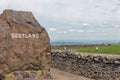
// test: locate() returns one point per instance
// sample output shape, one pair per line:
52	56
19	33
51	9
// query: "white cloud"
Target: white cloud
62	32
81	31
103	31
52	29
90	31
76	31
85	24
71	30
117	26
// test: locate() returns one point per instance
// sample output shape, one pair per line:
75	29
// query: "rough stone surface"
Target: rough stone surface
23	53
27	75
98	67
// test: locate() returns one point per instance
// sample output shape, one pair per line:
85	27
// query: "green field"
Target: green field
113	49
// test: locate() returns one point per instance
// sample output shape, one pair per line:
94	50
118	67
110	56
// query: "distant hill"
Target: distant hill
76	42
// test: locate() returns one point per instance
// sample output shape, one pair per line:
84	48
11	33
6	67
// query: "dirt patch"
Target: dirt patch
61	75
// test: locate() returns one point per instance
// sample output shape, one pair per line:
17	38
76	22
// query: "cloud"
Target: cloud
81	31
64	10
62	32
71	30
85	24
76	30
90	31
72	17
52	29
117	26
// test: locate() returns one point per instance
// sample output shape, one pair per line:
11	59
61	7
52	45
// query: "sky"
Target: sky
73	19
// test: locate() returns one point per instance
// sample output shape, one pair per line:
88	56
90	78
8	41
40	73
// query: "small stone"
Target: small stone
10	75
117	62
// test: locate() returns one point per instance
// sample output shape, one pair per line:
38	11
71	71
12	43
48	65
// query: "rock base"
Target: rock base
27	75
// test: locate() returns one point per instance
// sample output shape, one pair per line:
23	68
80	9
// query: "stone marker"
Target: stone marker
24	44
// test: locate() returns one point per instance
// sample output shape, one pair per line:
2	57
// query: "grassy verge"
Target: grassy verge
113	49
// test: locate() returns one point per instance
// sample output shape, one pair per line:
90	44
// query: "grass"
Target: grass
113	49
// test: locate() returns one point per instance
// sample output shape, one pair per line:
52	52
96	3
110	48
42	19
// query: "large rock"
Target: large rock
24	43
